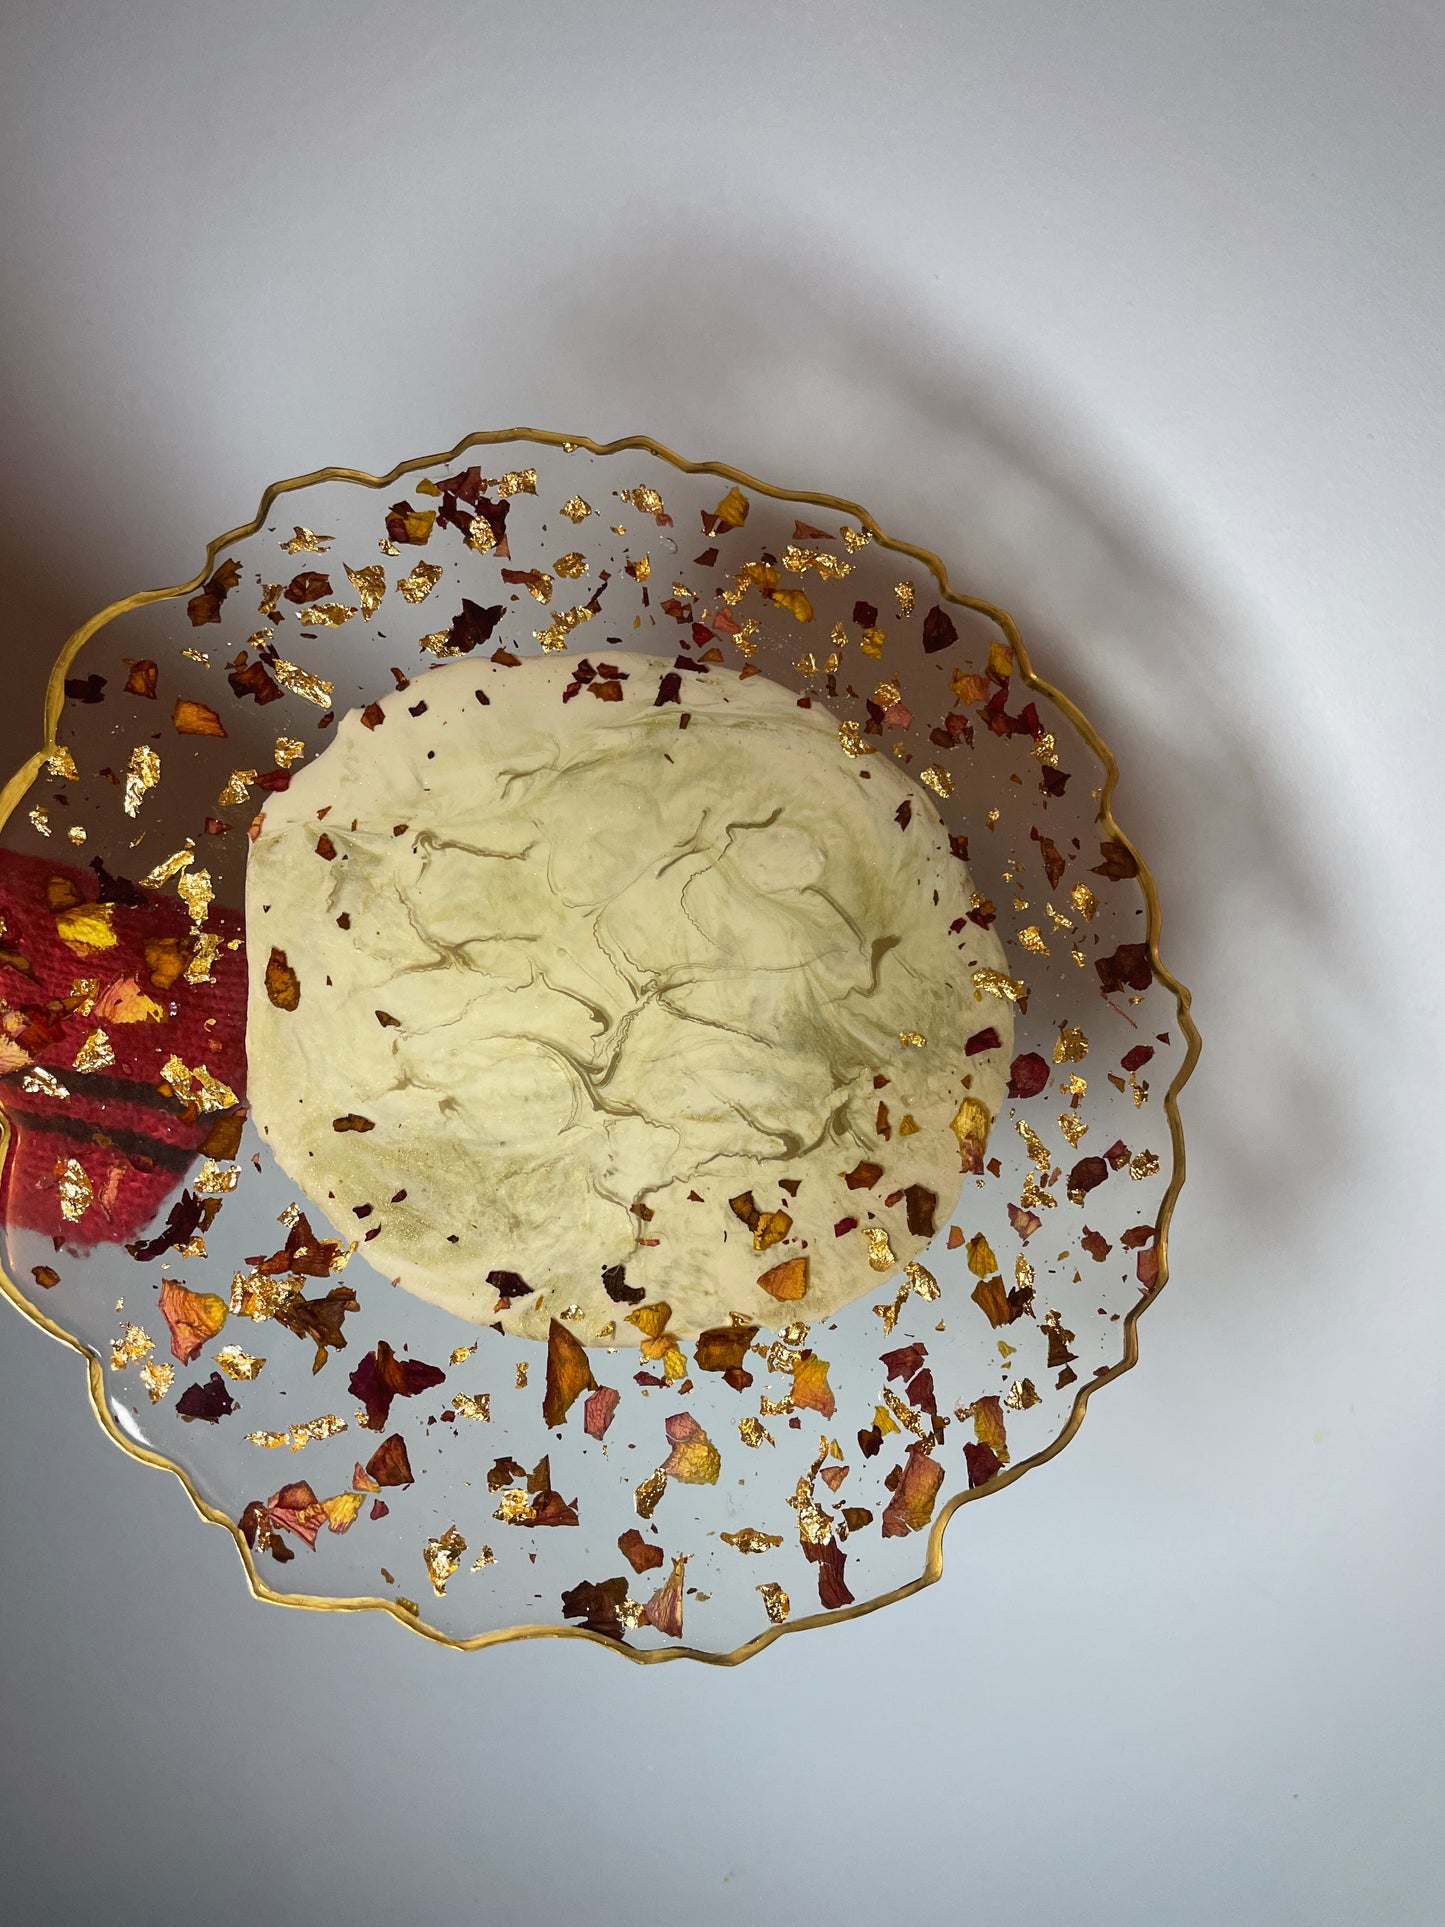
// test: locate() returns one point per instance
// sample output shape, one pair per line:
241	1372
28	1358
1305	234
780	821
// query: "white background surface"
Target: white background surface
1133	312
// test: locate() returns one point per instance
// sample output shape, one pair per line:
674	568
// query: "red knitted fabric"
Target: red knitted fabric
134	1144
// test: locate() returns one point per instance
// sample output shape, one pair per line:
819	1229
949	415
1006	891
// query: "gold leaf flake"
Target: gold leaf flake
1024	1273
197	655
268	1441
831	567
1045	749
75	1191
1072	1126
871	642
157	1378
307	542
270	603
1074	1085
61	763
904	592
439	643
462	1353
515	1509
750	1539
238	1363
851	738
1037	1149
326	615
646	499
1084	901
370	584
971	1127
915	1039
288	750
522	1376
753	1432
992	817
567	620
474	1405
649	1493
880	1251
921	1279
1071	1045
95	1054
1030	938
442	1556
576	510
936	779
87	927
195	890
571	565
855	539
76	834
517	481
641	569
486	1557
208	948
43	1083
417	586
301	682
481	536
997	984
807	665
133	1343
1021	1395
197	1086
775	1600
238	787
1143	1165
142	773
258	1296
169	866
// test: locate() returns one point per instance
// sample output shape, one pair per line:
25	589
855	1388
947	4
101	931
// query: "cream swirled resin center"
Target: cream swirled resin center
617	990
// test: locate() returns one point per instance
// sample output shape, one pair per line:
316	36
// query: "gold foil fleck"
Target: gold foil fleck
807	665
326	615
992	817
301	682
157	1377
473	1405
1072	1126
753	1432
750	1539
649	1493
43	1083
1084	901
417	586
921	1279
197	655
641	569
997	984
539	585
462	1353
515	1508
971	1127
307	542
1021	1395
570	566
133	1343
75	1192
197	1086
902	1412
1143	1165
1045	749
61	763
936	779
1031	938
486	1557
1037	1149
517	481
914	1039
904	592
270	603
831	567
236	1362
887	694
440	643
481	536
288	750
1023	1273
443	1555
1071	1045
522	1376
855	539
169	867
851	737
776	1601
1074	1085
208	948
576	510
555	637
880	1251
142	773
76	834
871	642
370	584
95	1054
196	892
646	499
238	787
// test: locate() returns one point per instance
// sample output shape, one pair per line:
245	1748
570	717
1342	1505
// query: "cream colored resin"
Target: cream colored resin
637	971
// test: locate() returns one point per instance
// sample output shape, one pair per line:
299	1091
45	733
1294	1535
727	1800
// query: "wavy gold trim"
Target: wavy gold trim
20	782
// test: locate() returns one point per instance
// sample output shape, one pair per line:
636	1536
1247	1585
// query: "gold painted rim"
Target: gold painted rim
20	782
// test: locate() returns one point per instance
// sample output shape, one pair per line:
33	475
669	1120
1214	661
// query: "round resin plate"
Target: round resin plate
369	1450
